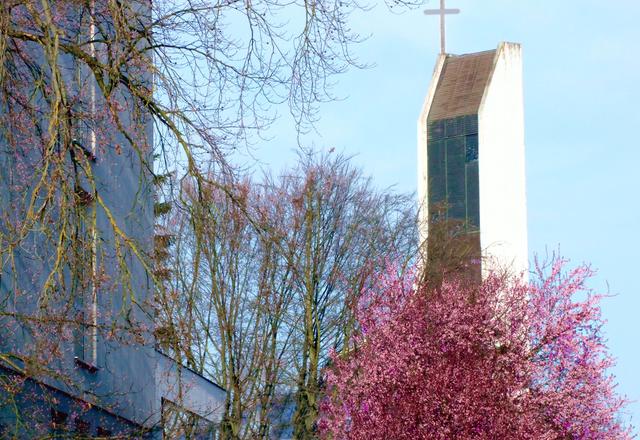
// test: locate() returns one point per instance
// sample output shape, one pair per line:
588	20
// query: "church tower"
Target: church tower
471	159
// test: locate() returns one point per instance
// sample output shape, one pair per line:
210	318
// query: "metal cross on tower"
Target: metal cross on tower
442	12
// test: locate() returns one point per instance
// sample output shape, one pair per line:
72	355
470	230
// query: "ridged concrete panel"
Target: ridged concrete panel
461	85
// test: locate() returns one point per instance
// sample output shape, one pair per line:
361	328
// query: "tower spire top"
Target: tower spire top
442	12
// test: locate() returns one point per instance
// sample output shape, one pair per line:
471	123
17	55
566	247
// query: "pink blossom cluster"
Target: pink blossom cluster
502	359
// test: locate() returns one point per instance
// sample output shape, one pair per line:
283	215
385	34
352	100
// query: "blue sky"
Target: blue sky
582	110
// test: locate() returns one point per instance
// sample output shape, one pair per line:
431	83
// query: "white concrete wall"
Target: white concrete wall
501	155
423	169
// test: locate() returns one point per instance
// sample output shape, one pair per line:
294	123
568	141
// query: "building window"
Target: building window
58	422
103	432
83	267
81	427
471	144
453	171
84	289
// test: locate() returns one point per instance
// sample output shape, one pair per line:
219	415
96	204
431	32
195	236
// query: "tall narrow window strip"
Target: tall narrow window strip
453	170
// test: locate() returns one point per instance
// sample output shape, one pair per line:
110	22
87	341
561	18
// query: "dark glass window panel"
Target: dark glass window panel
58	417
103	432
471	124
453	170
436	172
456	210
454	127
81	426
473	195
471	147
58	421
436	131
456	177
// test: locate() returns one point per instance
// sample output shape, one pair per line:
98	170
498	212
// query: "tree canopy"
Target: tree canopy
499	359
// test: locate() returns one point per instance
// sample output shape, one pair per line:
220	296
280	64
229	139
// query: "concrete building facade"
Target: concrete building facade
70	365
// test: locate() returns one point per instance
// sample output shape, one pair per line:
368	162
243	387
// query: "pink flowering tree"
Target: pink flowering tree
503	359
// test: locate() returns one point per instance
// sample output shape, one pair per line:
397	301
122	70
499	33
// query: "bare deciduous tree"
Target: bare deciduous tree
91	87
265	279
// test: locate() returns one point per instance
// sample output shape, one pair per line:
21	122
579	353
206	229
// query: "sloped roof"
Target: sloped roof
461	85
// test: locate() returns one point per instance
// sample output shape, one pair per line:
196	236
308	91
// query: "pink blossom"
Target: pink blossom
501	360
